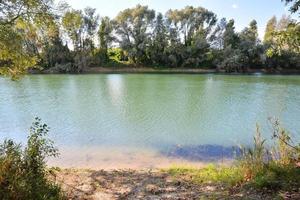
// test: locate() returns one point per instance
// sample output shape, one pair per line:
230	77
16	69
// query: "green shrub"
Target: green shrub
23	172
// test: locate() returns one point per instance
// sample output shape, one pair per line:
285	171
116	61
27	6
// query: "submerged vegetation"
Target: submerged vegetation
57	38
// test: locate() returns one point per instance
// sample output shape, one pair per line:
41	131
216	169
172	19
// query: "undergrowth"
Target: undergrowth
23	172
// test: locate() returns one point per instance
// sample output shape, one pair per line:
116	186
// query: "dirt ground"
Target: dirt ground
148	185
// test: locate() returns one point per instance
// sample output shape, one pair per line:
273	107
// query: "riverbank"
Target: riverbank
151	184
154	70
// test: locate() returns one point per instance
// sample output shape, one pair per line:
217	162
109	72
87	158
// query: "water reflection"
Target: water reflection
115	87
153	112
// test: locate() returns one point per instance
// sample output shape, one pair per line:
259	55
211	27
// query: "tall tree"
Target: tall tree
91	22
217	36
159	41
133	26
190	20
231	39
73	24
105	36
270	29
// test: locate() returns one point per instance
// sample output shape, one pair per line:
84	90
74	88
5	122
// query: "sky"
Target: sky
242	11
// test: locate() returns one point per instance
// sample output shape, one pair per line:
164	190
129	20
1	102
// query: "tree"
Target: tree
159	41
231	39
194	26
287	37
15	57
133	27
295	5
190	20
105	37
73	23
217	36
249	45
284	22
270	29
91	22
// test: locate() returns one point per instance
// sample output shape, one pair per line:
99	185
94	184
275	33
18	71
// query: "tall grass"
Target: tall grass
262	166
23	172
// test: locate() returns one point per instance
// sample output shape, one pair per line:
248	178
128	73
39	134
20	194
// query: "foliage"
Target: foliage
295	5
133	26
23	173
72	22
260	166
57	38
226	175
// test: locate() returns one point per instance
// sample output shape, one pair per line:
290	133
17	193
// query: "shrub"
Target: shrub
23	172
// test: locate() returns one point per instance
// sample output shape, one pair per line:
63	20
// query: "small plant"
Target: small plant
23	172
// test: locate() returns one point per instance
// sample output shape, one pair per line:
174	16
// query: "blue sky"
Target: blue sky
243	11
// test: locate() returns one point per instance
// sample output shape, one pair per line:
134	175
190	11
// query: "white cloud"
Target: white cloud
234	6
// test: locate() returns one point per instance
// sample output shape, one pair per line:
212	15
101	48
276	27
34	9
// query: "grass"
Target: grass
225	175
259	167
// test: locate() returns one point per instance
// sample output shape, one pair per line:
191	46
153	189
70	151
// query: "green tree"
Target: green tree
159	41
15	55
231	39
133	27
190	20
270	29
105	37
193	25
91	22
249	46
73	24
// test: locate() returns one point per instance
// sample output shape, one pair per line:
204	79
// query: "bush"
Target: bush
23	172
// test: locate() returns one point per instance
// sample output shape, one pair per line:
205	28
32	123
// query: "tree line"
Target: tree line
38	33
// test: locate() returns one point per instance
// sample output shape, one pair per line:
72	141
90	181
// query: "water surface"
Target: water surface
141	115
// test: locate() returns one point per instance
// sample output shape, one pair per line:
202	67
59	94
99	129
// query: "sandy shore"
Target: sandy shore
148	184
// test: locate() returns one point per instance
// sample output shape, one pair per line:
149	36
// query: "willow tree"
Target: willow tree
193	25
133	27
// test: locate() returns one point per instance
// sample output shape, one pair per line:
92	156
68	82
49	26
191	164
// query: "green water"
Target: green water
148	111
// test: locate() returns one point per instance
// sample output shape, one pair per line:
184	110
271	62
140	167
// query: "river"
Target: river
121	120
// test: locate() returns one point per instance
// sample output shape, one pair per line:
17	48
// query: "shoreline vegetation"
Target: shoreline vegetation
58	38
263	171
159	70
